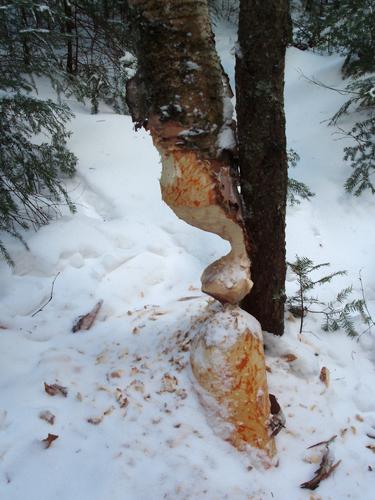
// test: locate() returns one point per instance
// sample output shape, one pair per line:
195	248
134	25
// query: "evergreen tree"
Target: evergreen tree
33	153
348	27
350	30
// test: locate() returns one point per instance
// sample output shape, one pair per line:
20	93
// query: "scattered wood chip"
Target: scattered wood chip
121	398
182	393
325	470
371	447
109	411
343	432
117	374
169	383
135	331
47	416
49	440
95	420
324	376
313	459
55	389
359	418
289	358
101	358
86	321
137	385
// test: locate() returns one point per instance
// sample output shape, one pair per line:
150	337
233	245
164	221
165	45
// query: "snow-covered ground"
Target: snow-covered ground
128	429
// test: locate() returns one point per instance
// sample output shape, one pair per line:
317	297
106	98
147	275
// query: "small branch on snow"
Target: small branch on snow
326	466
327	442
50	298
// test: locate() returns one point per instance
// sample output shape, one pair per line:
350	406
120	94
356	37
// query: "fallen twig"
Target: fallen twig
327	442
325	470
50	298
326	466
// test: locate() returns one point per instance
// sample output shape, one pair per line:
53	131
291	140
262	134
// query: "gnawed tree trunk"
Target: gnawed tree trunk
227	359
181	96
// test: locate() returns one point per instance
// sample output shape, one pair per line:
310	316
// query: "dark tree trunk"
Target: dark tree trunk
25	45
69	31
263	35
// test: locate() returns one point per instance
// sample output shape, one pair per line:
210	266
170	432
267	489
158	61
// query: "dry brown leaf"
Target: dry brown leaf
49	440
359	418
117	374
289	357
85	322
47	416
324	376
55	389
371	447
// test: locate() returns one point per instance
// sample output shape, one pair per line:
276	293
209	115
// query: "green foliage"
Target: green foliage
80	46
224	10
348	27
344	26
362	158
296	190
360	155
338	313
33	156
350	30
308	22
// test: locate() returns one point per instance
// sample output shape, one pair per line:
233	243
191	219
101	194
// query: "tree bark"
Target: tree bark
262	37
69	41
182	97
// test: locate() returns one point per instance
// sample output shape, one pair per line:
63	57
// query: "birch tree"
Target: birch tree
181	95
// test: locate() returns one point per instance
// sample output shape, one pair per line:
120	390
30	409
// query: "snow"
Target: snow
130	372
226	324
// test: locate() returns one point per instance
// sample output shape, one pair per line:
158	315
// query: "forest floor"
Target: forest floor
130	425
